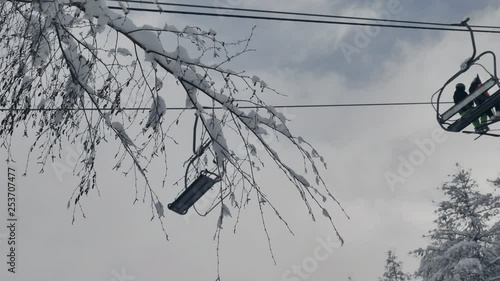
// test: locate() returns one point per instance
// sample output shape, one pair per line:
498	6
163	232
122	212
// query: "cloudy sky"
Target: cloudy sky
362	146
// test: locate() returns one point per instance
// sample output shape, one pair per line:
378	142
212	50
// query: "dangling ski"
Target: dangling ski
481	134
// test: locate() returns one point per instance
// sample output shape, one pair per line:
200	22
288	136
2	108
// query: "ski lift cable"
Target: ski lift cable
293	13
297	14
240	107
304	20
295	19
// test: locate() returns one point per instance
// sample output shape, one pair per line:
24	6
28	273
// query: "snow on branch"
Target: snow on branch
75	55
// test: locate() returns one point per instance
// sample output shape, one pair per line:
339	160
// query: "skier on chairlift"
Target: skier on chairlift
476	83
460	95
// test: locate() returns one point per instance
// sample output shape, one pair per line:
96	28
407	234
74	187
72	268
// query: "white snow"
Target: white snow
123	52
124	8
158	109
219	143
58	116
224	213
107	118
159	209
158	84
41	104
122	134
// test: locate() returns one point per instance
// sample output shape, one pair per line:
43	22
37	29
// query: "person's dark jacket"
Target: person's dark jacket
476	83
459	96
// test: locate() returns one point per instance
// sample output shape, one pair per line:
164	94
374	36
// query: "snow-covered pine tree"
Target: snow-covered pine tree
393	269
465	244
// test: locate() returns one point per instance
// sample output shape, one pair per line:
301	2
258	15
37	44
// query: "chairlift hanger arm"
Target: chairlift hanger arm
473	59
443	118
473	40
468	63
203	147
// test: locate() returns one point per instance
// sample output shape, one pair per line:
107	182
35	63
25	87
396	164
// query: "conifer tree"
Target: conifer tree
393	269
464	246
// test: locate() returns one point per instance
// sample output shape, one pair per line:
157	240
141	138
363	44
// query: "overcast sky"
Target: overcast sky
361	146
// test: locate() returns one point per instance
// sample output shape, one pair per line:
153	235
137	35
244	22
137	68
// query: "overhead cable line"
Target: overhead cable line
302	20
294	13
240	107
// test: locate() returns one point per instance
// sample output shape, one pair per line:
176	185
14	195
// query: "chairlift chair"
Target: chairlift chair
446	120
200	185
194	192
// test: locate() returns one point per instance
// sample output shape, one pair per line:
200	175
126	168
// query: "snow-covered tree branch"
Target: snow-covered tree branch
69	68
